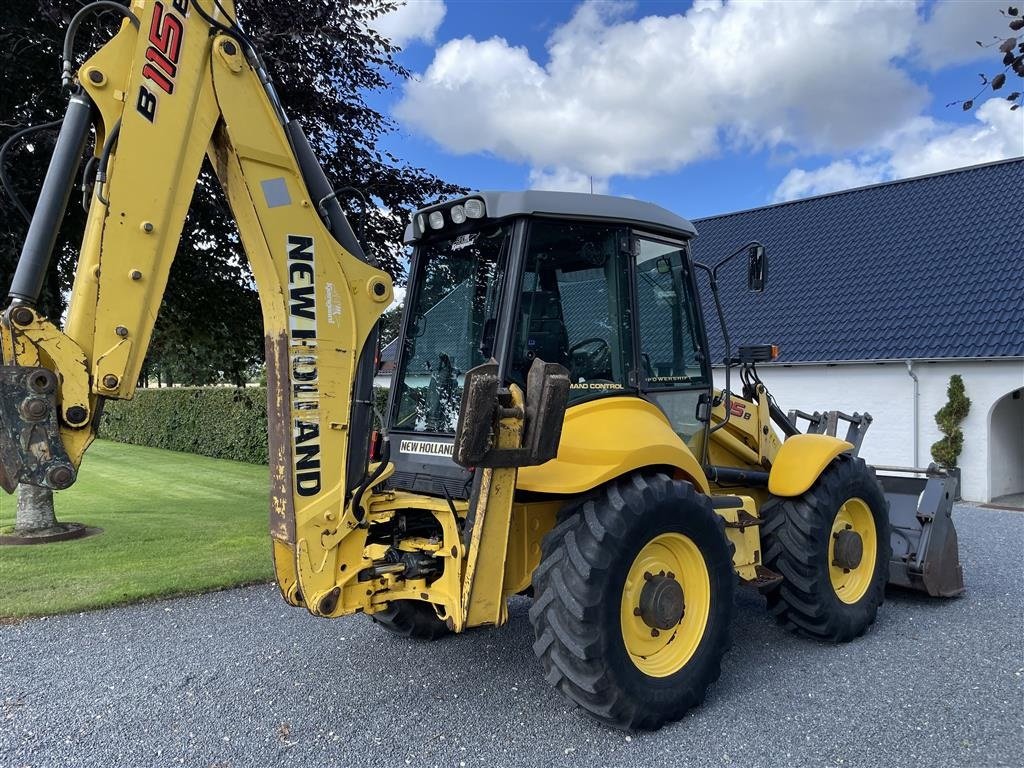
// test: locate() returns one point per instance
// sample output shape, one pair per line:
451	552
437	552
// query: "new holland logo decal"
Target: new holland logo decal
304	375
426	448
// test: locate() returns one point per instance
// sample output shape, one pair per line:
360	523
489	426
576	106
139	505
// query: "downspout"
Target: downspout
917	396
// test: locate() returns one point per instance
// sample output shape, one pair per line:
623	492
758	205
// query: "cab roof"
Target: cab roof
575	205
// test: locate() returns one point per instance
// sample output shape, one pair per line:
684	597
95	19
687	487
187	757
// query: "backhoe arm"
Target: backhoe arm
181	85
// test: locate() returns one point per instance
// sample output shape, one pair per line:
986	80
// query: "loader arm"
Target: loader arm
180	86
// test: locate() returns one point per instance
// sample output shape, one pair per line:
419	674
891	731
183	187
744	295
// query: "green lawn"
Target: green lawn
173	523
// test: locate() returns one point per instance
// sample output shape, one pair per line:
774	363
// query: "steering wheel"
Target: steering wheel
596	358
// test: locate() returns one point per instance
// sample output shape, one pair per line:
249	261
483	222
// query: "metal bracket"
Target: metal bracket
31	450
827	423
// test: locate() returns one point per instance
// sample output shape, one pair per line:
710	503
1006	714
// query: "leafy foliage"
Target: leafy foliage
326	60
390	324
220	422
1012	50
946	450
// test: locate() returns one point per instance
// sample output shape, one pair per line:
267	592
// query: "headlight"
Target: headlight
474	208
421	223
458	214
436	220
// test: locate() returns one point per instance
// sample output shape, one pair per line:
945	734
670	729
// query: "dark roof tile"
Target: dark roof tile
930	267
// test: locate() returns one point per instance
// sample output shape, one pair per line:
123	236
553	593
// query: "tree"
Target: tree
946	450
1012	50
390	324
325	59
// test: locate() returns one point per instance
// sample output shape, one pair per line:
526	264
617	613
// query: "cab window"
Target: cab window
574	307
671	360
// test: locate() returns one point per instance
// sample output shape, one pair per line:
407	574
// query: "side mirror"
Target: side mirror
757	268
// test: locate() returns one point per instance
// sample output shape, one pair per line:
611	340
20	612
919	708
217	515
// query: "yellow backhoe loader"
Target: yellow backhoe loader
553	428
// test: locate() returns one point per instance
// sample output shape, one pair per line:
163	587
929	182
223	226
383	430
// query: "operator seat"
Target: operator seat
546	336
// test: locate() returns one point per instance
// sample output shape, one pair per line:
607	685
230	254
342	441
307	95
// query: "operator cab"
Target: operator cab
601	285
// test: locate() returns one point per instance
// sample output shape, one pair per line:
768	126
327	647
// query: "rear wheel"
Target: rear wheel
633	602
411	618
832	547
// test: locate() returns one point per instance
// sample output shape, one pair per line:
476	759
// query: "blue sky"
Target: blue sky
703	107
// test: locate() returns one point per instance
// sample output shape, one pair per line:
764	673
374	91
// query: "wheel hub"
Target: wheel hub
661	602
849	549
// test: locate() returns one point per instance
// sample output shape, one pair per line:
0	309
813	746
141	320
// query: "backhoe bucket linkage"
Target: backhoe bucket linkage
925	555
31	450
827	423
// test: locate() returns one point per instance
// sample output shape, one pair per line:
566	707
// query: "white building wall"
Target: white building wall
886	391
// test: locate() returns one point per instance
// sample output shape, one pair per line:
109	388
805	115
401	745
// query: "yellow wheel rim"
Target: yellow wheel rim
851	576
666	563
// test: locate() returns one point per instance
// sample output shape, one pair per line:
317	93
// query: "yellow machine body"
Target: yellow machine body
319	305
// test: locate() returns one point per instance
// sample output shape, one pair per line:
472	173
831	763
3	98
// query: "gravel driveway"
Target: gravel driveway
238	679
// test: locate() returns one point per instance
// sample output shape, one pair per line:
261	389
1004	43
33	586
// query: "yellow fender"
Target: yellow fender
801	460
606	438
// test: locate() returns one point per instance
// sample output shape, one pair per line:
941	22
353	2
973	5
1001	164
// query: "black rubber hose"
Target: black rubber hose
75	23
4	179
101	170
357	497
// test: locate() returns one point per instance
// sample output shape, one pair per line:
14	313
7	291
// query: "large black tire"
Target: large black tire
413	619
796	537
577	614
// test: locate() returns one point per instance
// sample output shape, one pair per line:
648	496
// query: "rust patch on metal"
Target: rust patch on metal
282	503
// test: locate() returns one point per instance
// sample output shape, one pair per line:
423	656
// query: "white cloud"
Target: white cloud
842	174
921	146
952	27
646	96
927	146
413	20
562	179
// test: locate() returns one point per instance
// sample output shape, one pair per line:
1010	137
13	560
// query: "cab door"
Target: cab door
672	365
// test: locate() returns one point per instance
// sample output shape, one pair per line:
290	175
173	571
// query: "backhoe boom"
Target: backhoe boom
175	85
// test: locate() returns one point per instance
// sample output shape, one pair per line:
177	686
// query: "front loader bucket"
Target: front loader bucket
925	555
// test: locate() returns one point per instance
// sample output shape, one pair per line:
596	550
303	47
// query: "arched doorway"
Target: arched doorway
1006	450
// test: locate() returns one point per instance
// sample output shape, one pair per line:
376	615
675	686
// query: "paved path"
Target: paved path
238	679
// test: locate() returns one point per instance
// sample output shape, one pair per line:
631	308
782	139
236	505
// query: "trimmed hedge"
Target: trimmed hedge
219	422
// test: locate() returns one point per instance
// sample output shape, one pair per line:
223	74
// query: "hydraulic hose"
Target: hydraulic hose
76	21
53	201
5	179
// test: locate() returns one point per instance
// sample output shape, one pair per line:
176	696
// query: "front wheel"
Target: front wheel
412	619
634	597
832	547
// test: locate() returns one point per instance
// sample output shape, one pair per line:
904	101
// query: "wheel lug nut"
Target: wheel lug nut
671	575
655	633
648	575
636	611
